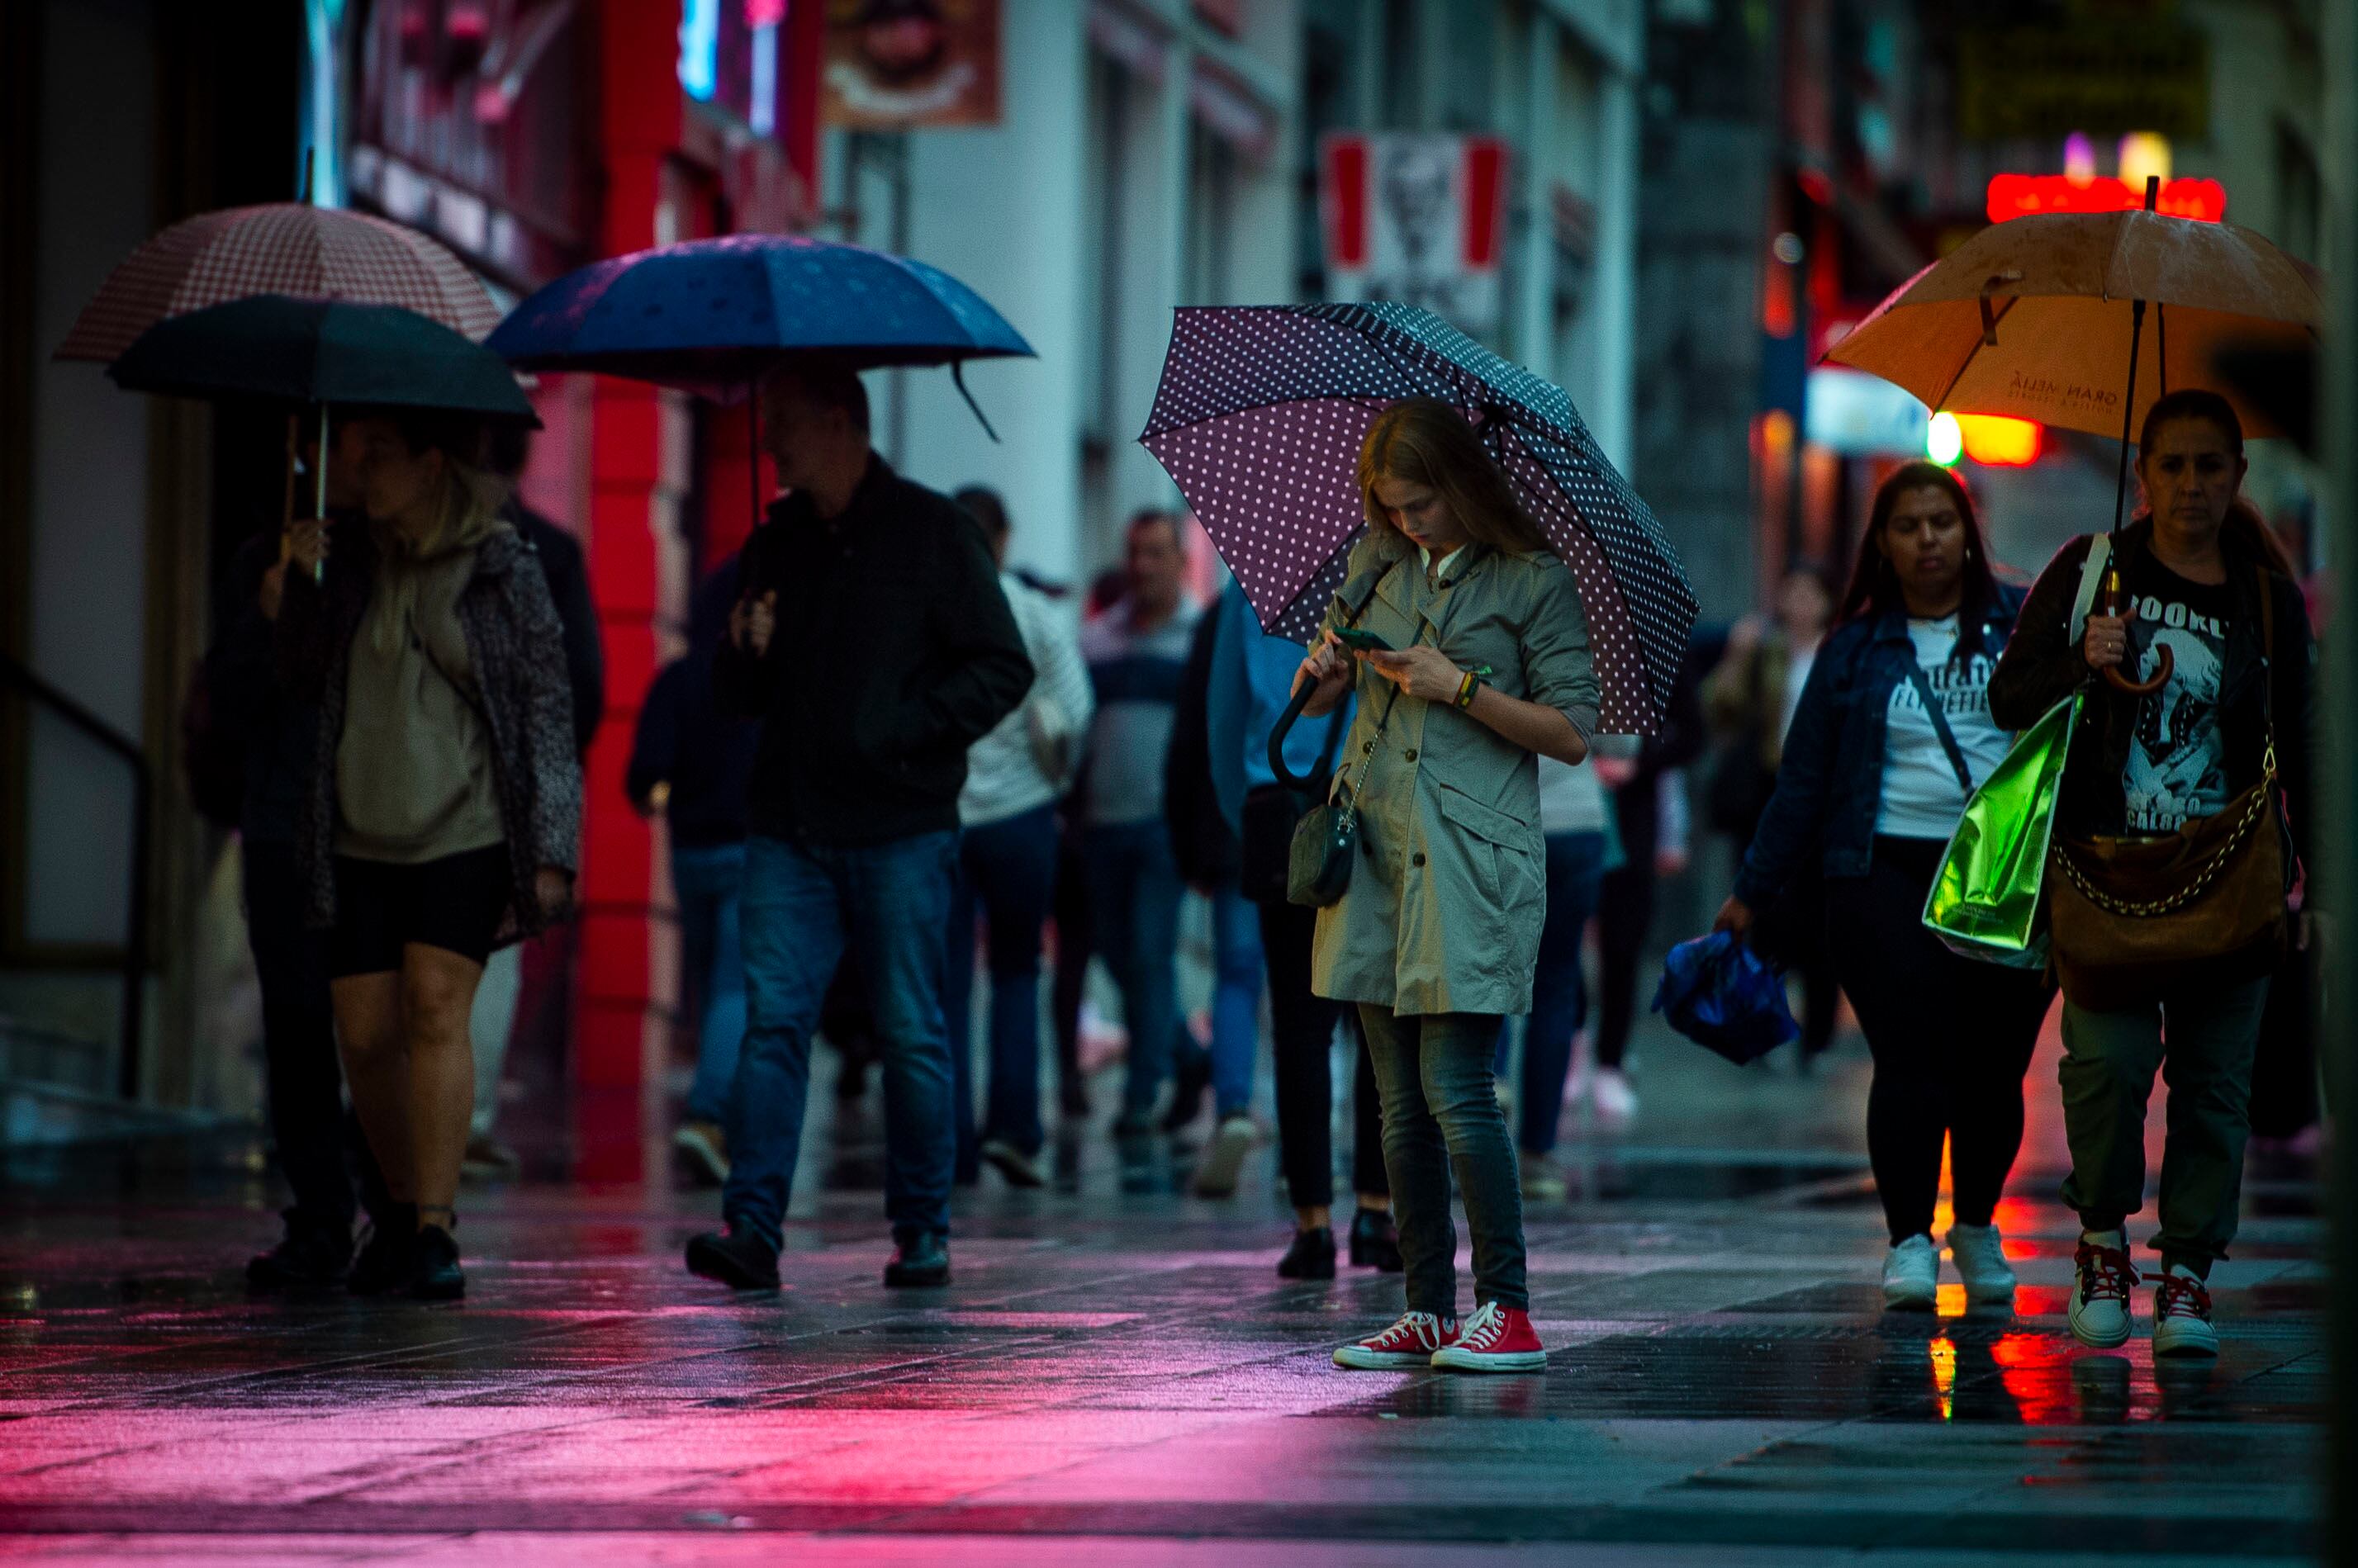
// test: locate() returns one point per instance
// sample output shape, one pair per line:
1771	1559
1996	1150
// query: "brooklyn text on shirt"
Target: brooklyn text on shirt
2153	611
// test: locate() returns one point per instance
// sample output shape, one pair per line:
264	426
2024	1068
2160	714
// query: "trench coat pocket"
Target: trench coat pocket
1502	851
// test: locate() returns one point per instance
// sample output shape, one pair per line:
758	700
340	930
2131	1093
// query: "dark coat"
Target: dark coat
513	642
2044	665
562	564
1830	780
277	733
1204	845
684	741
894	651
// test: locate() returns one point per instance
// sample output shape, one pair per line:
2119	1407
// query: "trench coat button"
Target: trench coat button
1416	860
1412	755
1368	750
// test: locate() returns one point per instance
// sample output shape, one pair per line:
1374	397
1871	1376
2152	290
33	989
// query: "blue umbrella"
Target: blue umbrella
714	315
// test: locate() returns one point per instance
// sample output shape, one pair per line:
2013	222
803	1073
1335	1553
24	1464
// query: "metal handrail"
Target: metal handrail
133	756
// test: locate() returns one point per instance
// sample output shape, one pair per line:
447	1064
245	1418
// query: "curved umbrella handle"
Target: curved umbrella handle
1284	727
2152	683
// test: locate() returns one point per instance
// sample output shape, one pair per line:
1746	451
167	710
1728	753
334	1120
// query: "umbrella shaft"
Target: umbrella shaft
2128	415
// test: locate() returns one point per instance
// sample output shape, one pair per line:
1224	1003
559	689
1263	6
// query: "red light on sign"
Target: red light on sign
2024	194
1996	441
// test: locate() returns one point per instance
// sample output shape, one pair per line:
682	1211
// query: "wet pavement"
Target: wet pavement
1118	1375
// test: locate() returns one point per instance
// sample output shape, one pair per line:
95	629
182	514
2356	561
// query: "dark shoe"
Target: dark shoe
1189	1083
1375	1242
740	1261
922	1260
309	1257
434	1273
384	1262
1312	1256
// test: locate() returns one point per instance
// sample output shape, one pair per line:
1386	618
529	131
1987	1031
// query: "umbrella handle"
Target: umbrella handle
1284	727
2115	676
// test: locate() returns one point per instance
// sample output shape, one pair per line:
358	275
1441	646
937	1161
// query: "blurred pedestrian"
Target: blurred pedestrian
1007	865
1211	860
1436	937
870	638
1652	849
1580	845
444	804
2208	584
268	734
1250	683
1136	653
1751	698
1893	732
1069	912
491	1025
693	765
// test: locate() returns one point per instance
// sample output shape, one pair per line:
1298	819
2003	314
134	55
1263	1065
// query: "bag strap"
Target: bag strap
1940	727
1384	722
1334	726
2092	579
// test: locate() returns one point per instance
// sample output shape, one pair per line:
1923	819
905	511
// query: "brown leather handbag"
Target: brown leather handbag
2132	918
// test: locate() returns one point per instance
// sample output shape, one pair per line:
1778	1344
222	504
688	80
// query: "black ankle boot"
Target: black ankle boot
383	1263
1374	1243
312	1255
433	1272
1312	1256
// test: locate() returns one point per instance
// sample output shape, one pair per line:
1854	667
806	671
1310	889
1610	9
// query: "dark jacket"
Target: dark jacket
1204	845
1830	780
562	564
2044	665
684	740
513	643
277	733
894	651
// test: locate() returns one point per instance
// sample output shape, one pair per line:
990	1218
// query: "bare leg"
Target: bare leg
438	991
369	1038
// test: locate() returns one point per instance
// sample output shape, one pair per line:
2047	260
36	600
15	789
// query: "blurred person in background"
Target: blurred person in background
1576	819
871	639
265	735
693	765
1894	732
1137	651
2205	581
1210	859
1652	848
1069	910
491	1025
1247	688
1751	698
443	811
1007	868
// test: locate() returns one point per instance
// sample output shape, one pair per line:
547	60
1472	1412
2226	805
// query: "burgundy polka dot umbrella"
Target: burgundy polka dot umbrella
1260	419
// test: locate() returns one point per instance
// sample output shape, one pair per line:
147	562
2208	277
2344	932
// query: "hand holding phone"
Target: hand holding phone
1360	642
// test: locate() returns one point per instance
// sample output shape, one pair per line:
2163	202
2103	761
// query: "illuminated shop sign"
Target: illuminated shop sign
2026	195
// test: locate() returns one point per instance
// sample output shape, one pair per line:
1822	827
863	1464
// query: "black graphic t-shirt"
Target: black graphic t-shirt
2178	766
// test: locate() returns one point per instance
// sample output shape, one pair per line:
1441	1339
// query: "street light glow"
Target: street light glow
1944	441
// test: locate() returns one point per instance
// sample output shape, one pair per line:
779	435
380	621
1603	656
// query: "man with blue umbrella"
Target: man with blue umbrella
872	641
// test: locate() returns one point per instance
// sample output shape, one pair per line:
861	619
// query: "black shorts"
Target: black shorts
454	903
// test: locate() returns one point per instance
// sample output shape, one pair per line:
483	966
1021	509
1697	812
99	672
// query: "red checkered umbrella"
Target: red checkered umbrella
312	253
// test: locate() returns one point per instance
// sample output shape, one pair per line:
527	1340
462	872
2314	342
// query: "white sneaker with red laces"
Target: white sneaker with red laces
2181	1315
2099	1311
1494	1339
1406	1346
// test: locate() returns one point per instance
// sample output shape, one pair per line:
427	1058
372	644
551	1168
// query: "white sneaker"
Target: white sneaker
1911	1274
2181	1315
1980	1258
2100	1292
1215	1173
1615	1101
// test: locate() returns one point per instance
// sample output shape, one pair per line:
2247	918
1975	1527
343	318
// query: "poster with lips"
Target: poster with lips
897	65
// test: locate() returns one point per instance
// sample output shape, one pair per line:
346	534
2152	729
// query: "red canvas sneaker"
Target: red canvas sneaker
1494	1339
1406	1346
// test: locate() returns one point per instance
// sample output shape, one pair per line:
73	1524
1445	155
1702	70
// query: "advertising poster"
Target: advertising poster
897	65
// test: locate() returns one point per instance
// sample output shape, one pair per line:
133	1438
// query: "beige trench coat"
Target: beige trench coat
1448	893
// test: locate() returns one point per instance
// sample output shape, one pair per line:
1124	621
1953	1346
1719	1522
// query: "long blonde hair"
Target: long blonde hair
1422	441
471	492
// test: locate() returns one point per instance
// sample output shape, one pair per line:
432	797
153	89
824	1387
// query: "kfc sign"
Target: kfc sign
1419	219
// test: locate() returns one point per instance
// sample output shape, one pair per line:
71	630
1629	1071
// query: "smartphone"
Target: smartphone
1361	641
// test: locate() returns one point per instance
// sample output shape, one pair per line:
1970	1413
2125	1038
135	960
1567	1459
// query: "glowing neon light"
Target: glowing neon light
1997	441
700	48
2027	195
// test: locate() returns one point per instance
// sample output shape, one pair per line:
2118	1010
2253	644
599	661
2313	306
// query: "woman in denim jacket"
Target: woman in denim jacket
1872	783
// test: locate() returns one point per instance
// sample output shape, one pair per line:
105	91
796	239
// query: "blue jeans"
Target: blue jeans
1575	870
1441	1114
1236	999
707	880
1007	872
1134	893
804	904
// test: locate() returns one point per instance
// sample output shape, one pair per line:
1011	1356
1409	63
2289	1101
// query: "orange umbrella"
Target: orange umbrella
2044	318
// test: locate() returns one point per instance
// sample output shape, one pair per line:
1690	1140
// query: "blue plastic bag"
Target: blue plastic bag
1722	995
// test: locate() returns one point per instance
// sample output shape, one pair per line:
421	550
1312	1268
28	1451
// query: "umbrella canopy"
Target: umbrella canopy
712	315
319	253
2035	318
321	352
1260	418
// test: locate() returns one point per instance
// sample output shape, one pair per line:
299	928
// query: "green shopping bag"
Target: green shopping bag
1986	902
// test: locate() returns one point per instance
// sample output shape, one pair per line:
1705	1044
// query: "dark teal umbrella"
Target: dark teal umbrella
319	351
